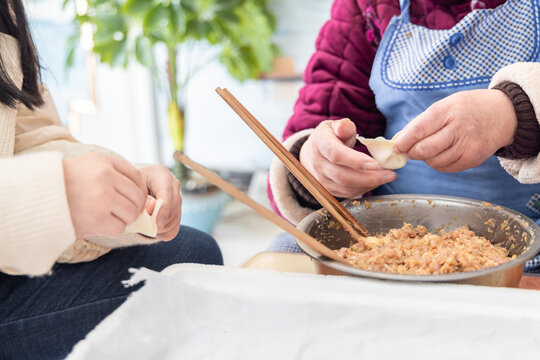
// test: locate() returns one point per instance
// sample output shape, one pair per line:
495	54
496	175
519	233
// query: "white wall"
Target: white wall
126	121
216	136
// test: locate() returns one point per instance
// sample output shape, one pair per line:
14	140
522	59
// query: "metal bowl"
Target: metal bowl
507	228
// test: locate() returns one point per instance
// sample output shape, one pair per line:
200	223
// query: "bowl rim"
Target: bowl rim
534	248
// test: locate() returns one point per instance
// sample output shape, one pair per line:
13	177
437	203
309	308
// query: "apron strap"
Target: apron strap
404	5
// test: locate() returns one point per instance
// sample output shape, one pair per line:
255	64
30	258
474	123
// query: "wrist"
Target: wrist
507	115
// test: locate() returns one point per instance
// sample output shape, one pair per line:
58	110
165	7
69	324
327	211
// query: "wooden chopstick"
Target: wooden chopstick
326	199
312	185
261	210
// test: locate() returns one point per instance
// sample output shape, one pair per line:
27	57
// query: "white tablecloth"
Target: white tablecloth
208	312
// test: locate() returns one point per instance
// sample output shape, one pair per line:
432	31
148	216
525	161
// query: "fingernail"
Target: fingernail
388	177
372	166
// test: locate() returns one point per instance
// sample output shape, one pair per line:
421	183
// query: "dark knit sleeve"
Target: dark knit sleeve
527	137
303	196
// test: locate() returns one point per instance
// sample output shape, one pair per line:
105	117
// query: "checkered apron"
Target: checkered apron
415	67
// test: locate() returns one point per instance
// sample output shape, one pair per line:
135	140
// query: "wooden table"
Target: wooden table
287	262
530	282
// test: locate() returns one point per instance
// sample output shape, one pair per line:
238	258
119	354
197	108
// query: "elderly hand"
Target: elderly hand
162	184
343	171
104	194
461	131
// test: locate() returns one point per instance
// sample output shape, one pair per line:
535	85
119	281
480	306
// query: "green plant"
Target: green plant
239	32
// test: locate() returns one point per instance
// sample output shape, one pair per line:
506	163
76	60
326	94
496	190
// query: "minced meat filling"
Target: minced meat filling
415	251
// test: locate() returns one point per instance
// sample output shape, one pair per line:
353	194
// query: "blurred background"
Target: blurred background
127	91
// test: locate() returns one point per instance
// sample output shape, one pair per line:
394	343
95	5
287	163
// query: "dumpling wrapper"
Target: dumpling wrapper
146	223
382	151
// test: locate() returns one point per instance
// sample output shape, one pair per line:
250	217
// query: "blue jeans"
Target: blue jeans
44	317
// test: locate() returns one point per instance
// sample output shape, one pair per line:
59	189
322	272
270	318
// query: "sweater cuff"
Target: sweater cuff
286	201
124	240
36	222
526	75
303	196
527	137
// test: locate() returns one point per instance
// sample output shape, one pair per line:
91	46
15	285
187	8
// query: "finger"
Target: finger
173	223
432	145
337	153
345	130
348	192
422	126
454	167
169	235
131	173
342	180
124	209
128	189
165	223
351	193
444	160
164	186
169	204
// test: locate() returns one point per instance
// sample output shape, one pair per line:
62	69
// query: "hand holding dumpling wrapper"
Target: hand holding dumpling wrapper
382	150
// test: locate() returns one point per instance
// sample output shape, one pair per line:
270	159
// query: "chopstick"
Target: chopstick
326	199
261	210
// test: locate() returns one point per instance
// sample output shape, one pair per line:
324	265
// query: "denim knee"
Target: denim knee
202	246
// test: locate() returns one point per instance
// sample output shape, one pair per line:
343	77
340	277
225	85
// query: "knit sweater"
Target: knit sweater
521	82
35	225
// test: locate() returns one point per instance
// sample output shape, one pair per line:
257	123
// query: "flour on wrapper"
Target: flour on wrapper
382	150
146	223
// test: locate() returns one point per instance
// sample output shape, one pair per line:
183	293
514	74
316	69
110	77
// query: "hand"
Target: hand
104	194
461	131
163	185
343	171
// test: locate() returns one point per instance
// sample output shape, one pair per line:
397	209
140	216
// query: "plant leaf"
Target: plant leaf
157	17
138	7
113	53
71	44
143	51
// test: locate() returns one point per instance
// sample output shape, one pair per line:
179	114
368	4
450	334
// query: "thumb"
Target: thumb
422	126
345	130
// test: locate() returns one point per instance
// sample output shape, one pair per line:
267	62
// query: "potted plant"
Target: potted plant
239	32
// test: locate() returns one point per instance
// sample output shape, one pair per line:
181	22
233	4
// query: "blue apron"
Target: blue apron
416	66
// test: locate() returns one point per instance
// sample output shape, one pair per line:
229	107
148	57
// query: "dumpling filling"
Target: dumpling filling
415	251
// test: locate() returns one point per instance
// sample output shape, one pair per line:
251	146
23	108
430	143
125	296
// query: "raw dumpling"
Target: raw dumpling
382	151
146	223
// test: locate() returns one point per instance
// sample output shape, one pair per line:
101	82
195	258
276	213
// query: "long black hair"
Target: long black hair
13	22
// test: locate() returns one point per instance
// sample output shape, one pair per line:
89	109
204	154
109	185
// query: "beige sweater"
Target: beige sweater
35	225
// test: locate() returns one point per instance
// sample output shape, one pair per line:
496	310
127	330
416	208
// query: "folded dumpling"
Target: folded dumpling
382	150
146	223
